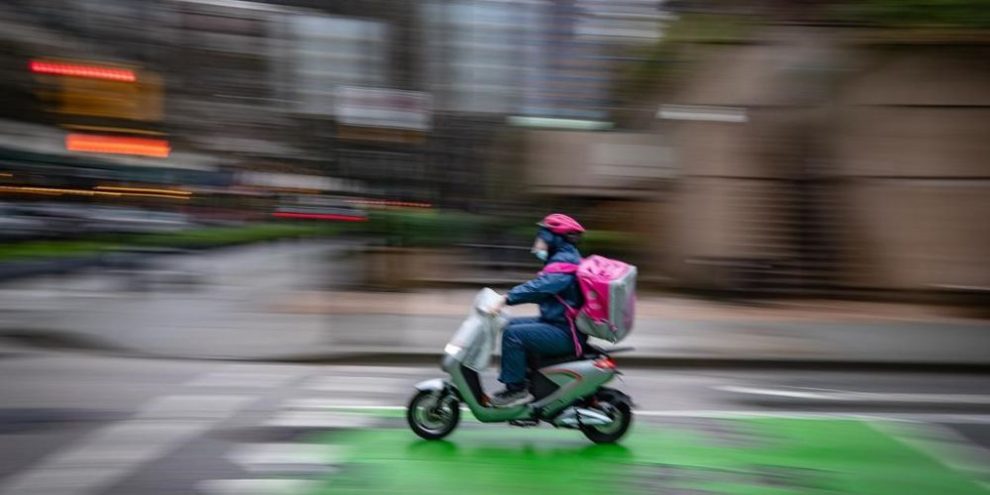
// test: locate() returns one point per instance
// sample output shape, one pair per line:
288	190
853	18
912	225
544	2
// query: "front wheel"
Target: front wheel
433	415
621	415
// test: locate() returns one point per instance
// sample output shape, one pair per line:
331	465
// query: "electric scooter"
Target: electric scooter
568	390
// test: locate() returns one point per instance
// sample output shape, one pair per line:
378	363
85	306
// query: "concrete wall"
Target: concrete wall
732	195
898	139
887	146
912	143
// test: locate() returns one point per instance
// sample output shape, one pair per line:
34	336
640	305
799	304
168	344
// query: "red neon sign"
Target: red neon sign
86	71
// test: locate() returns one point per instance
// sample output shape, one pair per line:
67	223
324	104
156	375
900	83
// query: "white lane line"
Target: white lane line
241	379
741	414
286	457
331	403
256	487
366	384
325	413
214	407
109	454
400	370
847	396
318	419
823	415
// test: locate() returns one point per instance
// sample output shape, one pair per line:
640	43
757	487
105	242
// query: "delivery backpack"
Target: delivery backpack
609	289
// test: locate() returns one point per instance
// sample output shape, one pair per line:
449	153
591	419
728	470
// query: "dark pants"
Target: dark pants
530	335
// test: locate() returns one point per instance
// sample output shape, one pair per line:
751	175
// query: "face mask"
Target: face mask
541	254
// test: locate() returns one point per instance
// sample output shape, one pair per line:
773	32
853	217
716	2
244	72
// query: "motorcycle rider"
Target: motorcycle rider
550	334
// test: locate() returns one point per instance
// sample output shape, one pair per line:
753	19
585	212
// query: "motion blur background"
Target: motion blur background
772	148
803	184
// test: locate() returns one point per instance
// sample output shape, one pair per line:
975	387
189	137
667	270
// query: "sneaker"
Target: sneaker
509	398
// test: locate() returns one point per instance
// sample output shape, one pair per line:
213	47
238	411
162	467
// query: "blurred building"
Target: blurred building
266	86
791	153
762	146
498	68
815	156
43	111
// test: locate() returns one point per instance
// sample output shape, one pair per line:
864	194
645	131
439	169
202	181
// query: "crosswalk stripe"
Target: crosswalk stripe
318	419
256	487
385	369
286	457
110	453
240	379
330	403
366	384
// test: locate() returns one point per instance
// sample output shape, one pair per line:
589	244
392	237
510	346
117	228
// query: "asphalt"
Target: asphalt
118	426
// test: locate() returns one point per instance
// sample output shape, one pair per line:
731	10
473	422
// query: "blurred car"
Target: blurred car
124	220
15	224
59	219
316	208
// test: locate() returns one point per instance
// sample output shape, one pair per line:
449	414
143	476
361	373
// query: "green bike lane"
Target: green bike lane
687	456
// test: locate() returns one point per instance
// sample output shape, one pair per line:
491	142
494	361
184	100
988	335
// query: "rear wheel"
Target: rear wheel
621	415
433	415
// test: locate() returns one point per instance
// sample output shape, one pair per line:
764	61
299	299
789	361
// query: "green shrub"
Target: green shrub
917	13
51	249
195	238
425	228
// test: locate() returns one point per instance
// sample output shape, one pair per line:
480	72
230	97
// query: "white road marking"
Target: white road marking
256	487
740	414
241	379
286	457
847	396
823	415
331	403
943	445
356	406
399	370
194	406
109	454
366	384
318	419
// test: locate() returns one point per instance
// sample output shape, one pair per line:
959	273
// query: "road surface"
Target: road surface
73	424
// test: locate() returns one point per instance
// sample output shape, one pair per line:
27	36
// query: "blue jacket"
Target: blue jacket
543	289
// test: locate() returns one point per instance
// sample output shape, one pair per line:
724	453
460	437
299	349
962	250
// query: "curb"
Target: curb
668	362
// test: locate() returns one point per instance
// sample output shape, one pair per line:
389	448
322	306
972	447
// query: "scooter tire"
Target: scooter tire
623	417
424	431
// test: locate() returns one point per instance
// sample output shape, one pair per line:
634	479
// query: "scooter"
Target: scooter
568	390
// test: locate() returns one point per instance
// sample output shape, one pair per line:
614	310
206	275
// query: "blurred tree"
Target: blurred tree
917	13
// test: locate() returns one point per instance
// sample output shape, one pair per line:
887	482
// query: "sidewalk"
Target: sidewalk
272	303
680	330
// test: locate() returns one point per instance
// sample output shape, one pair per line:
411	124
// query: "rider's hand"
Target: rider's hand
496	307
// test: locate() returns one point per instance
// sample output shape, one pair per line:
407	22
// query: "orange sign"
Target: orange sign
141	101
91	143
85	90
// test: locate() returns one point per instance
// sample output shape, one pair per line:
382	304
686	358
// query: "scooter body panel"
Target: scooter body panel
576	380
468	386
432	385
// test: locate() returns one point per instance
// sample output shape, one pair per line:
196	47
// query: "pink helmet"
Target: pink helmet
561	224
